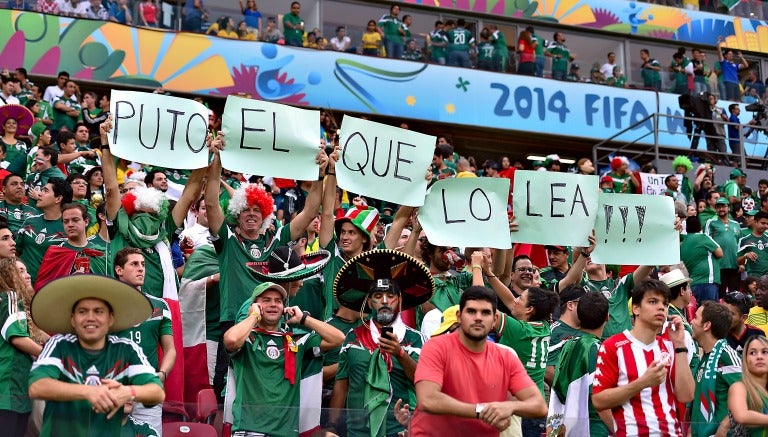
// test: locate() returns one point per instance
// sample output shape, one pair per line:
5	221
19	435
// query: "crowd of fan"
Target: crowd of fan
724	247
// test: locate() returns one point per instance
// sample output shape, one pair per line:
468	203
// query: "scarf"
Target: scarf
58	262
289	352
377	393
704	395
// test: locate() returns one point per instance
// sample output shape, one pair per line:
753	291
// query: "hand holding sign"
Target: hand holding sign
467	212
270	139
554	208
160	130
374	155
628	234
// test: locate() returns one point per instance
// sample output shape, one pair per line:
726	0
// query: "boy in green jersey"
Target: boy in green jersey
753	249
84	374
149	334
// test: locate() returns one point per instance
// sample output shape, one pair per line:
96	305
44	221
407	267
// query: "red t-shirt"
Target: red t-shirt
488	376
528	54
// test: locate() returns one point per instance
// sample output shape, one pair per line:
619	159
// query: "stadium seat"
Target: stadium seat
174	412
206	406
188	429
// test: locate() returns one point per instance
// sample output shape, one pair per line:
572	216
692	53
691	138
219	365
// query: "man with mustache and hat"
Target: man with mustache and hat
85	374
377	362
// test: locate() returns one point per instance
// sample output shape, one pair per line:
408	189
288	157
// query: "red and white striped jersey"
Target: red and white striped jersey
622	359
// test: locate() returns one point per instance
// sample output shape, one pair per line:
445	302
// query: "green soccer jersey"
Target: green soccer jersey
723	365
681	79
40	179
485	51
330	271
726	235
236	283
500	44
560	56
14	151
573	377
310	297
135	428
35	236
14	364
649	75
561	334
60	118
147	333
753	244
459	40
391	26
16	214
531	342
618	294
331	357
354	361
439	41
266	401
540	46
731	189
63	359
696	253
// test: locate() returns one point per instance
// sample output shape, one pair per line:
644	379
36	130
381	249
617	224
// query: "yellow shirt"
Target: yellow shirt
758	317
371	40
228	34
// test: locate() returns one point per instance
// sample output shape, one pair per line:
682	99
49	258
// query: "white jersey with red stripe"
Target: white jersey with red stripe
622	359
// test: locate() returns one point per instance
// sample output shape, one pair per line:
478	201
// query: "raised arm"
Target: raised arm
189	195
329	199
212	205
398	224
312	204
111	186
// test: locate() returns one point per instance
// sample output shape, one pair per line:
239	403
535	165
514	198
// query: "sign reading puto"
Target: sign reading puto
170	130
268	138
628	233
554	208
384	162
467	212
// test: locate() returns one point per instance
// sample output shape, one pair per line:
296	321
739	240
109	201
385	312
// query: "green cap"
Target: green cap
736	173
722	201
266	286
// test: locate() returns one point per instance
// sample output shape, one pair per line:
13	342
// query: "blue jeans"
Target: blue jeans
394	48
559	74
533	427
193	23
704	292
700	87
539	65
458	59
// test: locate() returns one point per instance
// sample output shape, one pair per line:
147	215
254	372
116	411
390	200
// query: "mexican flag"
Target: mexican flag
569	401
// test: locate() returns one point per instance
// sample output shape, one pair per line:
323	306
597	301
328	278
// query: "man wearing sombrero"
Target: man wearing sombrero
85	374
268	362
15	120
378	359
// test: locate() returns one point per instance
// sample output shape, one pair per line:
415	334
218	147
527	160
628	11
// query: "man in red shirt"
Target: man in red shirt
449	403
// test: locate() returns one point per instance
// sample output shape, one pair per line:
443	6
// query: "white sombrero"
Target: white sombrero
52	305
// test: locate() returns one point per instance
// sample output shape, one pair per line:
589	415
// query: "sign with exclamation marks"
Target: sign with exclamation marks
636	229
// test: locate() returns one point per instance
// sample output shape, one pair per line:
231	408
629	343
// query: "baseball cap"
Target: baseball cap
575	66
722	201
561	248
736	172
606	178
